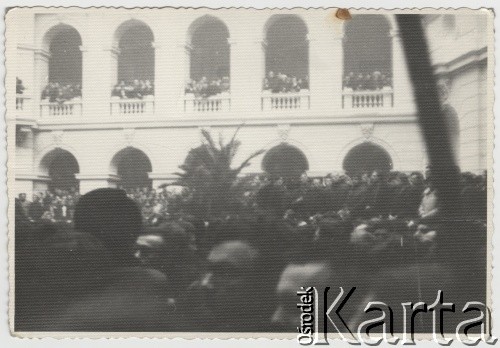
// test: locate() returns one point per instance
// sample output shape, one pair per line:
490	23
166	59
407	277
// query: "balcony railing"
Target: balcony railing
383	98
21	101
212	104
68	108
130	107
286	101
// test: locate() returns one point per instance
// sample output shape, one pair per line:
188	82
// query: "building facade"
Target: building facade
93	135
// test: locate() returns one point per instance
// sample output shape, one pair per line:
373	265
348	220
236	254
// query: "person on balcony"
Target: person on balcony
147	87
19	86
349	80
304	83
225	84
273	83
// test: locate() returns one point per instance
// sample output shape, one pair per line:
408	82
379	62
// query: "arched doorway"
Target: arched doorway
367	53
285	161
62	167
136	59
132	166
287	49
210	53
366	158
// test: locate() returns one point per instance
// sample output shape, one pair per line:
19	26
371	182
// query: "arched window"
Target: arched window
209	67
366	158
367	53
132	166
65	64
287	54
61	166
136	60
285	161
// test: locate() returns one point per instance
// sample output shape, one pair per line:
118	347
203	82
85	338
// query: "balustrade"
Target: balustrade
130	107
212	104
383	98
67	108
285	101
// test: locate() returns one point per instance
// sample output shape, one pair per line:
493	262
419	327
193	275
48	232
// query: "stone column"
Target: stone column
326	64
247	74
42	77
171	60
99	76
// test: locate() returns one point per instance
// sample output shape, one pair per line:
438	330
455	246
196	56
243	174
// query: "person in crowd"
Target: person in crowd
19	86
55	92
22	199
282	83
408	199
366	81
233	273
429	206
314	265
170	248
36	209
378	200
112	222
204	88
136	89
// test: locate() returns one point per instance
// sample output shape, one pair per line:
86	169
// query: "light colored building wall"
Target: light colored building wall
325	132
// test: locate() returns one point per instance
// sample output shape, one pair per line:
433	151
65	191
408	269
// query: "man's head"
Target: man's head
22	197
230	276
416	179
296	275
112	217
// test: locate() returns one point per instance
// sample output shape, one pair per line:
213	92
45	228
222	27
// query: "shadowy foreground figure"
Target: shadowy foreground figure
89	279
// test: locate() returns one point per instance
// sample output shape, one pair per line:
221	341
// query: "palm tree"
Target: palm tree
209	177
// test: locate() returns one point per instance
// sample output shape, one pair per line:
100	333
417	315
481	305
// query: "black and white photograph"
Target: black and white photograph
314	174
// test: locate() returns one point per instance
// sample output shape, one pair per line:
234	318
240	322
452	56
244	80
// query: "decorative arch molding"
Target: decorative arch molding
285	160
269	22
372	140
199	22
391	20
112	158
41	168
56	27
126	25
291	142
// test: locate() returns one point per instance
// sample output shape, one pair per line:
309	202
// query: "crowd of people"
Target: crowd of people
127	262
203	88
282	83
51	206
56	92
136	89
367	82
19	86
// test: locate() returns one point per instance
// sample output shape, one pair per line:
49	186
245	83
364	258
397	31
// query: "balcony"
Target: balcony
214	104
286	101
21	102
61	109
132	107
379	99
